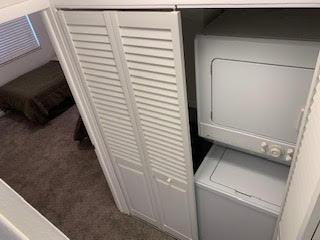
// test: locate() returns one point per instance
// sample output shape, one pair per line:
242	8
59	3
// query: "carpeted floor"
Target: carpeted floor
66	184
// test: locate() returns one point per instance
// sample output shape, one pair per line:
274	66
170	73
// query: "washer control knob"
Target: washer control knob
275	151
288	158
264	147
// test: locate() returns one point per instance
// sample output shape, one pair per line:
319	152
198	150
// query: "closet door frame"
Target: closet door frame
54	30
167	4
48	9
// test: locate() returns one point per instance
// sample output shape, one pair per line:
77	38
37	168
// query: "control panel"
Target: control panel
277	151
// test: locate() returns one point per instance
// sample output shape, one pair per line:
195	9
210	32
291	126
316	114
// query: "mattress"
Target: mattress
36	92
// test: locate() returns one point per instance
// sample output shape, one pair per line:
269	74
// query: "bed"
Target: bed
36	93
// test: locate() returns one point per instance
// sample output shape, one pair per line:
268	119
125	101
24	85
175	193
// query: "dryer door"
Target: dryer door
259	98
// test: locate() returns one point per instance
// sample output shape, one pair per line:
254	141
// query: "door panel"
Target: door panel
304	182
136	188
95	54
173	200
150	46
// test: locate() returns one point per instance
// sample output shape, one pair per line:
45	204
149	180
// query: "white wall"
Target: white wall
32	60
193	22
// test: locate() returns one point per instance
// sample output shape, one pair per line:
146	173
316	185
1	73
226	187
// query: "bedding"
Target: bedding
36	92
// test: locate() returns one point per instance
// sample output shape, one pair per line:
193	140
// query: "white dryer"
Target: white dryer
253	79
238	195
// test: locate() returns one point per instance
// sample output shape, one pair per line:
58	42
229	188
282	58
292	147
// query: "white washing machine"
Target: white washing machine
238	195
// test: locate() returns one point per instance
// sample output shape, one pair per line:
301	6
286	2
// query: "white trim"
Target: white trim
10	10
171	4
251	5
23	220
72	76
312	217
10	229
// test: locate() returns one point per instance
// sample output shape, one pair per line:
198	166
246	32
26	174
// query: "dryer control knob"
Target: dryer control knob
290	151
264	146
288	158
275	151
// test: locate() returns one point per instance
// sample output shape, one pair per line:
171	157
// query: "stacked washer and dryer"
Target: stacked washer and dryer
253	72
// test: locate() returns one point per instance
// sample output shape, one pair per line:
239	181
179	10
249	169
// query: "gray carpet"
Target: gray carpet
63	182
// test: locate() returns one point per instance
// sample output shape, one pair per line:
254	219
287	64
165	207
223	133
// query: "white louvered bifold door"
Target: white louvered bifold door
151	48
93	45
304	185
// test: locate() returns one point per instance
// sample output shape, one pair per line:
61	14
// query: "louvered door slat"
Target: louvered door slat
155	90
161	104
88	30
155	84
82	37
99	80
145	33
156	115
101	67
164	138
151	67
168	170
95	51
99	95
166	78
151	43
151	51
154	111
92	45
149	59
108	72
95	60
166	145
